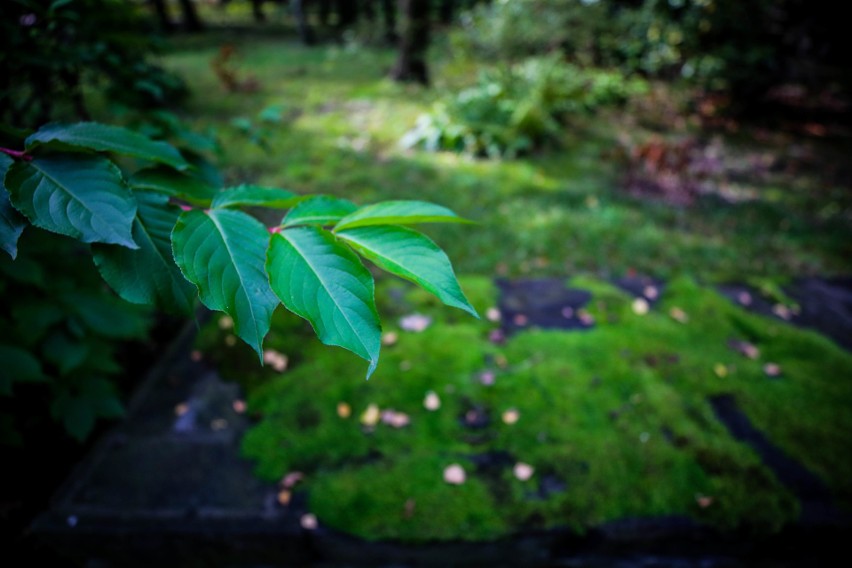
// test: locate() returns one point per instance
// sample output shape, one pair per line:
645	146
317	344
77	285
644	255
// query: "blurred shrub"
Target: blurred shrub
741	47
49	49
513	109
513	29
60	337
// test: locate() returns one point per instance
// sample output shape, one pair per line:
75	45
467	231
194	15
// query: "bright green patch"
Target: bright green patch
614	420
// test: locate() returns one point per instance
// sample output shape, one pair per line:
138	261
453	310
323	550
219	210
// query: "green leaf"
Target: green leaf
175	184
398	213
411	255
256	195
94	397
105	315
323	281
18	366
12	223
65	352
80	196
320	210
5	163
34	317
149	274
77	414
107	138
223	252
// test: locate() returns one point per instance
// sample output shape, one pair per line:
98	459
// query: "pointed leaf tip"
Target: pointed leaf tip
324	282
410	255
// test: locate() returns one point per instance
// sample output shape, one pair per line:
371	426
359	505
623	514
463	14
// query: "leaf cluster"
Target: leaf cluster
161	234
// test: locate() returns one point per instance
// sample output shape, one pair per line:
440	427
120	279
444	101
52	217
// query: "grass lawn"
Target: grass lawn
614	421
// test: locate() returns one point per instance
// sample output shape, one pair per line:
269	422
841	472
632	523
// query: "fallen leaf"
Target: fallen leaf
415	322
276	360
400	420
720	370
703	501
640	306
782	311
493	314
371	416
745	348
511	416
523	471
772	369
501	361
678	315
309	521
344	410
390	338
291	479
487	378
432	401
454	474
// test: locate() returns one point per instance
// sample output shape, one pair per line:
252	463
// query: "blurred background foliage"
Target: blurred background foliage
698	138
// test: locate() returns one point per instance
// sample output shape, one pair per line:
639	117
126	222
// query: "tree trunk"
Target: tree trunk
414	41
162	15
445	11
389	14
304	27
191	22
257	11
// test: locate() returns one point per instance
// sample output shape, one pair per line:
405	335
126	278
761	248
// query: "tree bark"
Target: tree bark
413	43
191	21
304	27
257	11
162	15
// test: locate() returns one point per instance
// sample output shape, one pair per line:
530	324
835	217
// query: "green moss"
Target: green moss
406	499
615	420
617	417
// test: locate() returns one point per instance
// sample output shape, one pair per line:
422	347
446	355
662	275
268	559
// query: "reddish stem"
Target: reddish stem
16	154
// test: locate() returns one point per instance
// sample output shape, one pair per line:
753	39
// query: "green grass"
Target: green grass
618	415
559	211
